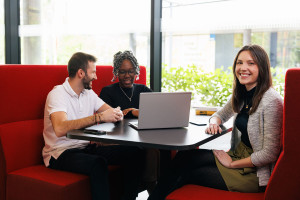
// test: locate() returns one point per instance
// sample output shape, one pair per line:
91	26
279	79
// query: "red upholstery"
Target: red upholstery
38	181
284	182
24	89
195	192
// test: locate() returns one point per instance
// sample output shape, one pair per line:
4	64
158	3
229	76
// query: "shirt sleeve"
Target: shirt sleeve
98	102
272	125
146	89
56	102
224	113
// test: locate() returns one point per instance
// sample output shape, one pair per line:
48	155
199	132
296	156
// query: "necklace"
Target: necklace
247	104
126	94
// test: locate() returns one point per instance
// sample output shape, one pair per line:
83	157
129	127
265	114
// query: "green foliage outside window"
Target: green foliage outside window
211	89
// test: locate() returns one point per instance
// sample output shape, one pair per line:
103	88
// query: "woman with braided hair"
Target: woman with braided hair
125	93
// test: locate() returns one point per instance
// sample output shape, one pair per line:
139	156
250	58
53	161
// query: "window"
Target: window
207	34
52	30
2	33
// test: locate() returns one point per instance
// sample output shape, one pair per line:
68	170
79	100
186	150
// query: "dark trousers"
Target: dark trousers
189	167
94	160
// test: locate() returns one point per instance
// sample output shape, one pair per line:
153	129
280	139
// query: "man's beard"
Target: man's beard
86	83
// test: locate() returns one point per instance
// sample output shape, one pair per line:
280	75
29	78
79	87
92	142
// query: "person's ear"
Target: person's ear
80	73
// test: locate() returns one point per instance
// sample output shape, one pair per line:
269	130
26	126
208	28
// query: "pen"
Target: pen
197	124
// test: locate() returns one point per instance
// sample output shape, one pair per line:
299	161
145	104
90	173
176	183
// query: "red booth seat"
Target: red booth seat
23	175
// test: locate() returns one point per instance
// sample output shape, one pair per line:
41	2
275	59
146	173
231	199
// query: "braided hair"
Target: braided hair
118	60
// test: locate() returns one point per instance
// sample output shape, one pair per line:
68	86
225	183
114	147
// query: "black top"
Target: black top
114	96
242	118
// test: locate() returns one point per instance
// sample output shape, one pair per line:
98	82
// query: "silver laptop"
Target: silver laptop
163	110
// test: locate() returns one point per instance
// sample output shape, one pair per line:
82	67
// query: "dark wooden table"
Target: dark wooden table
172	139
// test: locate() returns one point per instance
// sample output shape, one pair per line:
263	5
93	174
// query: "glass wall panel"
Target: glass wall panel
205	35
2	33
52	30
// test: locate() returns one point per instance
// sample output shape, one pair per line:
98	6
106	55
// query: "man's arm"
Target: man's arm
109	114
103	108
62	125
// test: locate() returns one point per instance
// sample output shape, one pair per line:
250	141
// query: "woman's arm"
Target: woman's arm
226	160
271	132
219	117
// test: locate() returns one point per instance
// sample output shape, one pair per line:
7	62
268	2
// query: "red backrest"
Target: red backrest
285	180
24	89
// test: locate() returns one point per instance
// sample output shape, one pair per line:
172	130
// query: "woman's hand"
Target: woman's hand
223	158
134	111
213	128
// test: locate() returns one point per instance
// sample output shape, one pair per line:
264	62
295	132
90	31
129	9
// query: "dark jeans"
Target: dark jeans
94	160
189	167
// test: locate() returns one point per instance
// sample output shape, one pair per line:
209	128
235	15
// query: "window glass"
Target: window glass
205	36
2	33
52	30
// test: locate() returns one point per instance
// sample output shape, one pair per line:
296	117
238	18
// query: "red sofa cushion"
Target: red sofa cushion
42	183
195	192
22	144
39	182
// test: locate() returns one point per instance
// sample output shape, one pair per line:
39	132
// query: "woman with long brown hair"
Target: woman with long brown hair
257	110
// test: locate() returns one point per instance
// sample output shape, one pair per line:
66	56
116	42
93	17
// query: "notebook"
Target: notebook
163	110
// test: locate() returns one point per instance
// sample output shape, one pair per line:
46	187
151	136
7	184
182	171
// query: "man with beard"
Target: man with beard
73	105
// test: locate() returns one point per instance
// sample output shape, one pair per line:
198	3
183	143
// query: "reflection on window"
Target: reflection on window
207	34
2	33
52	30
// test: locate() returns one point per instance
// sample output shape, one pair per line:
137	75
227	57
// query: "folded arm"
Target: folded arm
62	125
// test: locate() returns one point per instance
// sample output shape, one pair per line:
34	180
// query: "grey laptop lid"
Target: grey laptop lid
164	110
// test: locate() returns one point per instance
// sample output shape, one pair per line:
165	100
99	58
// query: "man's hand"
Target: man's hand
111	115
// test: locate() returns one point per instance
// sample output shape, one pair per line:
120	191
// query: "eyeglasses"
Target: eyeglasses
129	72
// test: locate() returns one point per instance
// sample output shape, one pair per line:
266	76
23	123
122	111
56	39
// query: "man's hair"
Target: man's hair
78	61
264	79
120	57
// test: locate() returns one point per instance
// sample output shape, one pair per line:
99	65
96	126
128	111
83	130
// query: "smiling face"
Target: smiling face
126	74
246	70
90	75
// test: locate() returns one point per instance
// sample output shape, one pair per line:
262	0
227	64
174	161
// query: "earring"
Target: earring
113	79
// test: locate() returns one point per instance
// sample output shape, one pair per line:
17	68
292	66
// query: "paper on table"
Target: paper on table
108	127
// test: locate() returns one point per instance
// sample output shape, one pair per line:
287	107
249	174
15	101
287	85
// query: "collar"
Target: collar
69	89
251	92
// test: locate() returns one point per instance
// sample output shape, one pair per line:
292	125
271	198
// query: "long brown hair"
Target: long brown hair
264	80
